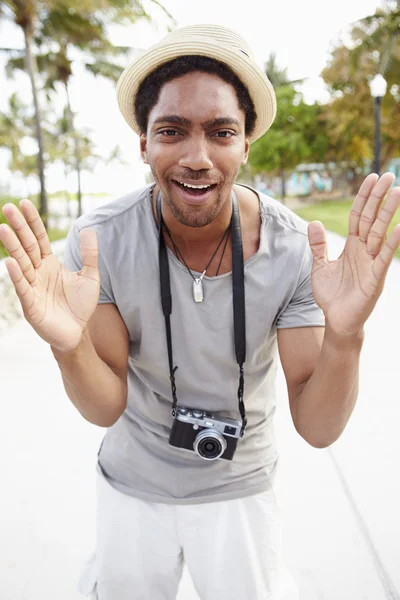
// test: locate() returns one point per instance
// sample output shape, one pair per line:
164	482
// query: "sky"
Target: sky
300	33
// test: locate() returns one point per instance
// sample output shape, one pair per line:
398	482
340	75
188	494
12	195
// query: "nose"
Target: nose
196	156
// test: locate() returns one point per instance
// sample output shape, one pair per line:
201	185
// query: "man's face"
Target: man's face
195	136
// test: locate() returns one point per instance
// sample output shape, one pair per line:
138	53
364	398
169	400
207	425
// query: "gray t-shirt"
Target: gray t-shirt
135	455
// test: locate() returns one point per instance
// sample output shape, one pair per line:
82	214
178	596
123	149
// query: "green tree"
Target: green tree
374	48
297	134
283	146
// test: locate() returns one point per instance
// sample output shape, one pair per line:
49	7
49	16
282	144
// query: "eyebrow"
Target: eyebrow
177	120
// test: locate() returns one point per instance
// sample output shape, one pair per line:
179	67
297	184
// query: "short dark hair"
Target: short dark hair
149	89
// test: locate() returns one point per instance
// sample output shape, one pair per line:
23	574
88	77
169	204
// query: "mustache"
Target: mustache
195	175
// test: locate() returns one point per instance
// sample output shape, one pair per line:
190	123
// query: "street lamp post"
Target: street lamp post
377	87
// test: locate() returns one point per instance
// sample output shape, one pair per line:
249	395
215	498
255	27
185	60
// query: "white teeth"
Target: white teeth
195	187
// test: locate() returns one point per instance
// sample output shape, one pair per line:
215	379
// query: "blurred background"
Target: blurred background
63	143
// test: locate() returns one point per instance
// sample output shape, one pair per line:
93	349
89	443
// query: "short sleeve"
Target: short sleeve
73	262
302	310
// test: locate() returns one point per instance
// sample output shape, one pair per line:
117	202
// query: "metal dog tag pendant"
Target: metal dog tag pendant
198	290
198	295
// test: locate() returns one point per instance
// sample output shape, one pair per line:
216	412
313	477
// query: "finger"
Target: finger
374	201
36	224
89	253
15	249
24	291
385	256
317	241
378	231
360	201
24	233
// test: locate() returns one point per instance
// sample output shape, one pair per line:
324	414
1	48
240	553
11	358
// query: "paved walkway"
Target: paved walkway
340	505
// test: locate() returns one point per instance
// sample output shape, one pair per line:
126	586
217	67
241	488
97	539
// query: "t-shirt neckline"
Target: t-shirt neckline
178	263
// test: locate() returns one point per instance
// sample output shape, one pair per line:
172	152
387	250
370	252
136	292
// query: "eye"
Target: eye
223	135
168	132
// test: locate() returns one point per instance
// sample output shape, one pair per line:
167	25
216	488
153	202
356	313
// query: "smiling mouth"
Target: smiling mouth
195	189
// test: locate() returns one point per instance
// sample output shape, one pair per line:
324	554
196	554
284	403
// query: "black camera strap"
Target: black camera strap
238	296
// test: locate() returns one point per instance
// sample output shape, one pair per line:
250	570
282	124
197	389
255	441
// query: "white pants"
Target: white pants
232	549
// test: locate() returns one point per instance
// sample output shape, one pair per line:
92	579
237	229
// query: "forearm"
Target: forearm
92	386
325	404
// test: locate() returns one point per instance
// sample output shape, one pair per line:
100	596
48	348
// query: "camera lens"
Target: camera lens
209	445
209	449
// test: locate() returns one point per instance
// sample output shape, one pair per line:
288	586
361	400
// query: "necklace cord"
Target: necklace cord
223	251
179	254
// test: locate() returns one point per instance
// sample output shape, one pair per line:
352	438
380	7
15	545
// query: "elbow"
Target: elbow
106	418
111	414
320	444
317	441
318	437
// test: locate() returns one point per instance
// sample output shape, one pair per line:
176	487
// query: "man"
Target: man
185	389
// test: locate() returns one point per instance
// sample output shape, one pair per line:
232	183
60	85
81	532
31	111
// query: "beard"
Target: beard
193	217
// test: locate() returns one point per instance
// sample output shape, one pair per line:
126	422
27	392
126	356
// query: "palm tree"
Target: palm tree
78	23
82	25
86	30
89	35
24	14
62	149
278	76
15	125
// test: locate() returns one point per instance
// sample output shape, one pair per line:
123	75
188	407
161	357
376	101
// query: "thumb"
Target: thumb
89	253
317	241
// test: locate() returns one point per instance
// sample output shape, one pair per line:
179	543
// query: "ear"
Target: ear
246	152
143	148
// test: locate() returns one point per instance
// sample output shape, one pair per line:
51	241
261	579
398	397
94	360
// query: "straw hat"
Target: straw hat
215	42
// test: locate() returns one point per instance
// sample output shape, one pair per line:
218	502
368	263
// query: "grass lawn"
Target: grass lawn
54	234
334	216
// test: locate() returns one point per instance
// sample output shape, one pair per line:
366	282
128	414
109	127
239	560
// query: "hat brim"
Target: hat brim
257	83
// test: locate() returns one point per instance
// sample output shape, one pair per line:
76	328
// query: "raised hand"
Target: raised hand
348	288
56	302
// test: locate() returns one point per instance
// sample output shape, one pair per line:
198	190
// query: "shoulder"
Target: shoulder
282	216
277	216
117	212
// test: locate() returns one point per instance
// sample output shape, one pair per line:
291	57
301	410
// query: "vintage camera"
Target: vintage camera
210	437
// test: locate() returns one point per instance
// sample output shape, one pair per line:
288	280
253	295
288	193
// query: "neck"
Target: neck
194	236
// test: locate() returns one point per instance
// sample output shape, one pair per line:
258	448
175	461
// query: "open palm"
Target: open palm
348	288
56	302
